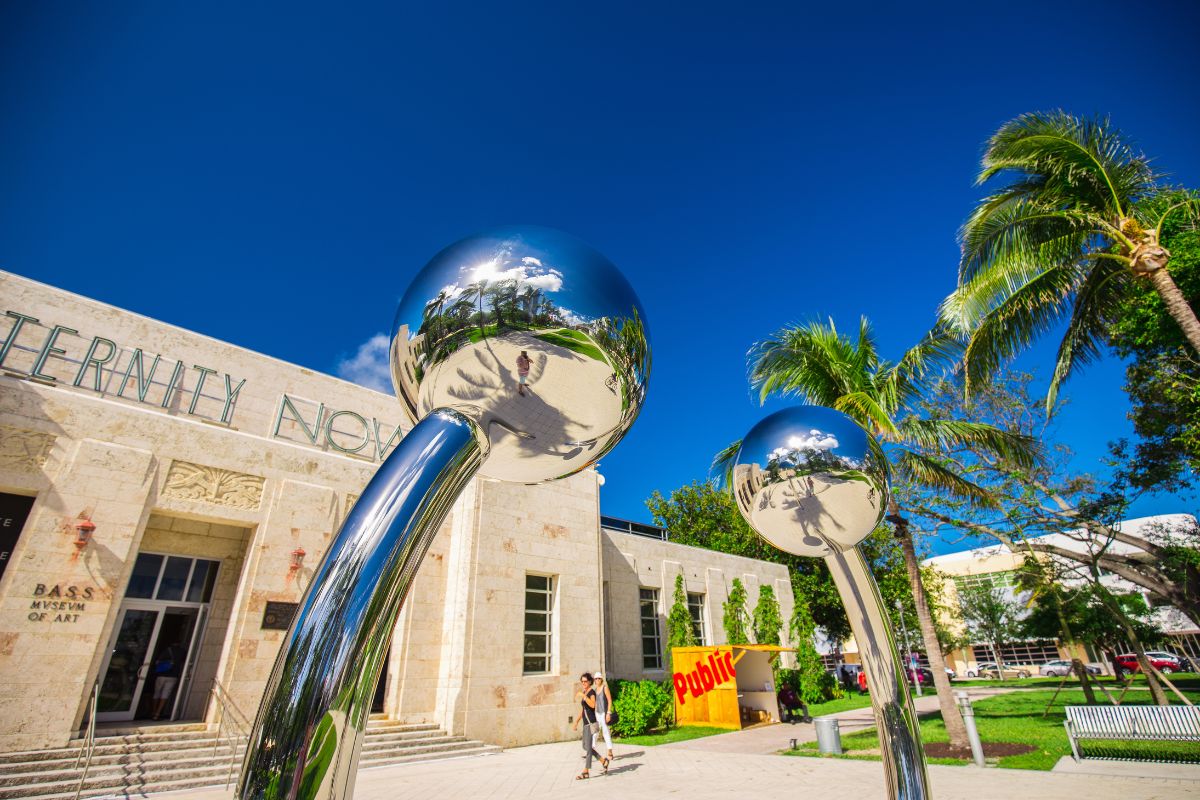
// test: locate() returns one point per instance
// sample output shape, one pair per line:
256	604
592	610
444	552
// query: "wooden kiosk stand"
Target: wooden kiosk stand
728	686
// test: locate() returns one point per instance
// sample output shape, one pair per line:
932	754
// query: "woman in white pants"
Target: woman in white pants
603	709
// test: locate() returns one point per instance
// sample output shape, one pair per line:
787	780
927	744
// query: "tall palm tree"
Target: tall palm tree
1063	239
824	367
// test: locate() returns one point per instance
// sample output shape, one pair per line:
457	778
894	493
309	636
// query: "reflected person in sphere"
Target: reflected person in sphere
587	717
523	364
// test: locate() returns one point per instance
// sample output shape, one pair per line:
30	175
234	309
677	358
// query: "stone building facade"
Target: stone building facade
166	497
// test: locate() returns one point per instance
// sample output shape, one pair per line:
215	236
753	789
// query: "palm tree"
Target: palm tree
821	366
1077	223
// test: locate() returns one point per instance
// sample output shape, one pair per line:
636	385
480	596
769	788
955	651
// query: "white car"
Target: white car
1061	667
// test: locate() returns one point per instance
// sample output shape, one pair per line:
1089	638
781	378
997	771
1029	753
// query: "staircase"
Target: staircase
133	761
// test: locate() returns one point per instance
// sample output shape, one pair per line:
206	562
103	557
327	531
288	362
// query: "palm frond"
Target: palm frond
1097	303
942	434
1087	162
722	464
940	347
867	412
812	361
1018	320
931	474
1012	237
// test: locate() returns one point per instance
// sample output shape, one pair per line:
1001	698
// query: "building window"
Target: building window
539	616
696	609
651	639
1037	652
1005	580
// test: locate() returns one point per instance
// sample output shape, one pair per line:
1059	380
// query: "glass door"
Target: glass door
128	663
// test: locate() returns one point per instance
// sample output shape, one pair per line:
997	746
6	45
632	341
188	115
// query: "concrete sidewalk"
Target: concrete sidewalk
651	773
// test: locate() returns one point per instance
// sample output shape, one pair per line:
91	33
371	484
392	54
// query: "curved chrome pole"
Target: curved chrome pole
305	742
895	718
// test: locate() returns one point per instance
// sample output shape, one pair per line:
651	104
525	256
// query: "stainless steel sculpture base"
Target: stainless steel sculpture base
305	742
895	717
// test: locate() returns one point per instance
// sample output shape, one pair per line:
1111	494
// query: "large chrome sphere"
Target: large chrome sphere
810	481
533	335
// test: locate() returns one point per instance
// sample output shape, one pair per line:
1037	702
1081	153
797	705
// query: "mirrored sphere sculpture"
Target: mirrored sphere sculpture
519	354
812	482
532	300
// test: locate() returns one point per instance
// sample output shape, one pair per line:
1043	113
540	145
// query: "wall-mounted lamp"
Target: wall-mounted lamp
297	559
83	532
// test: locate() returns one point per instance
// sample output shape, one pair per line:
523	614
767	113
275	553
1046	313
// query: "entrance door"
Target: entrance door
128	662
156	640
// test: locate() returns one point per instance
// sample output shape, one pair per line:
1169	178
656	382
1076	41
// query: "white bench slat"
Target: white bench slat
1135	723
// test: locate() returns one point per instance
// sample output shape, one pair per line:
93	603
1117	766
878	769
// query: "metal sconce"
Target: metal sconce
297	559
83	532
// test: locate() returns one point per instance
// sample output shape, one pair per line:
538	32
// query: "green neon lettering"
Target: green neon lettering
48	349
91	360
286	402
21	319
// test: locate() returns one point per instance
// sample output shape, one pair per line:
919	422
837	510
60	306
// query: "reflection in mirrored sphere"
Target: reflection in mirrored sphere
810	481
534	336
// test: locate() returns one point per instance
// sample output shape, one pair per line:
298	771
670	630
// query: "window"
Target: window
696	609
539	615
651	639
1038	652
176	578
1005	580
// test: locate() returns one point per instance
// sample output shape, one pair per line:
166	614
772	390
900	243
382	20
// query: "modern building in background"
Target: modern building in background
165	499
997	565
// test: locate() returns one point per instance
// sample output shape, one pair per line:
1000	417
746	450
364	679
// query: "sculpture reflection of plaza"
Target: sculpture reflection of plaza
790	474
482	302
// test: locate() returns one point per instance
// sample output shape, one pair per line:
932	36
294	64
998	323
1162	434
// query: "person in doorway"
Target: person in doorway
587	718
167	670
604	704
862	681
523	364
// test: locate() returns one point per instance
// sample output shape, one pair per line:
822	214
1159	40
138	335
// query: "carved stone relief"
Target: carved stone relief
24	450
221	487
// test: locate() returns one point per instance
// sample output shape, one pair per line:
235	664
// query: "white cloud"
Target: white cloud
369	365
531	260
798	446
815	440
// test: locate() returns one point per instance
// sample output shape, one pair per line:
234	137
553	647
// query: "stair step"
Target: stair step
168	758
481	750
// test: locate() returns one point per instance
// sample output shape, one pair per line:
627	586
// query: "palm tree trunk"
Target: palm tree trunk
1177	306
956	730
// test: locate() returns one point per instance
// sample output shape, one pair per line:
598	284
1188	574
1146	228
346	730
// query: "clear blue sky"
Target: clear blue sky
274	175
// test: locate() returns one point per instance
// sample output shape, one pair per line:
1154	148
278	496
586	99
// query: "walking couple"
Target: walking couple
595	702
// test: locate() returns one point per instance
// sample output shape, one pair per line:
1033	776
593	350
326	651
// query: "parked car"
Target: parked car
925	675
988	669
1061	667
1163	661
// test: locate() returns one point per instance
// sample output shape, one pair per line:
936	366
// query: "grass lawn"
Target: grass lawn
1184	680
573	341
1017	717
673	735
847	703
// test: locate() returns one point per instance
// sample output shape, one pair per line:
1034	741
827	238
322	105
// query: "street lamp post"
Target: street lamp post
907	649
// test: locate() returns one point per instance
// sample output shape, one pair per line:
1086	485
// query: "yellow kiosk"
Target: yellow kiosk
729	686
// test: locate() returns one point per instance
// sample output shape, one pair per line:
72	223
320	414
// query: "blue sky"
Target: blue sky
274	175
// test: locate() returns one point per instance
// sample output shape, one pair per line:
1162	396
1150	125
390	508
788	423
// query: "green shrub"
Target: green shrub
642	706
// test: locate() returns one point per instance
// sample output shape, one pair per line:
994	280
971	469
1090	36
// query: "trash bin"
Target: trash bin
829	736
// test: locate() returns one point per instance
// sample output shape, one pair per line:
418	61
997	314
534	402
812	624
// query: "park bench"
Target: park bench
1132	723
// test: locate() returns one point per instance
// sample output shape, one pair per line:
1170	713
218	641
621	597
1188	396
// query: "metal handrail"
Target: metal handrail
239	724
89	740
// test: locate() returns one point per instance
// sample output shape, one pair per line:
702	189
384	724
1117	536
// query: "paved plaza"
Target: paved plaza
745	763
548	770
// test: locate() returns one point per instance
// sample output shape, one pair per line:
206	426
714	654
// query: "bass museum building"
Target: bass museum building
165	498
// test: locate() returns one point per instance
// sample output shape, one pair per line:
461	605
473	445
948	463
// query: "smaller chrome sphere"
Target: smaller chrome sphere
535	337
810	481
